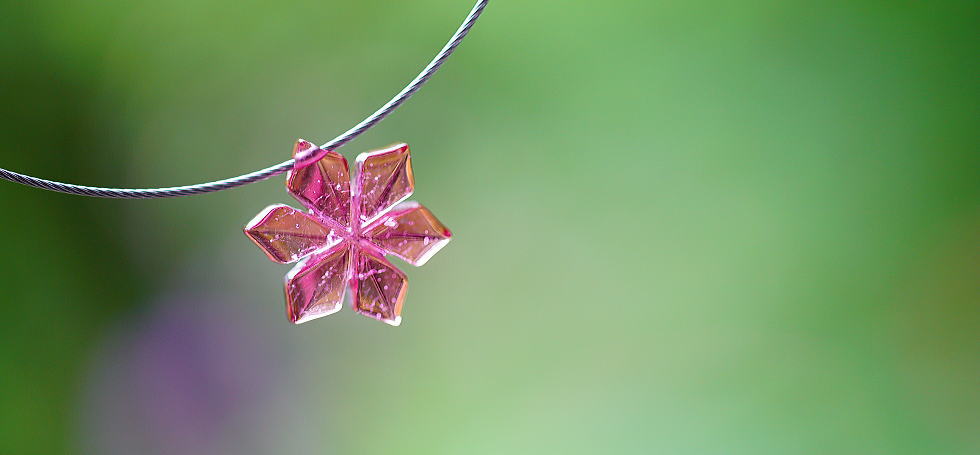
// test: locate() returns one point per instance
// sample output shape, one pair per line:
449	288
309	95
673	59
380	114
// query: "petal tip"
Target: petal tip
304	317
397	148
251	230
306	153
394	322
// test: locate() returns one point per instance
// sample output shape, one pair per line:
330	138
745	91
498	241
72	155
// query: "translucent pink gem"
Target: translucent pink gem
410	232
315	287
384	178
323	187
378	288
344	237
286	234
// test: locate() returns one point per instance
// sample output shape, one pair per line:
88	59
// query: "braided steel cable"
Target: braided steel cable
262	174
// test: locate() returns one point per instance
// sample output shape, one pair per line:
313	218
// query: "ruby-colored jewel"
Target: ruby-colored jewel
342	241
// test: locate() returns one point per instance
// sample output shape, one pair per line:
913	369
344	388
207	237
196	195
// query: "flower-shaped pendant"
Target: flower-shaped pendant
342	242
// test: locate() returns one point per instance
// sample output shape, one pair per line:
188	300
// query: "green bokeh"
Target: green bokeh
681	227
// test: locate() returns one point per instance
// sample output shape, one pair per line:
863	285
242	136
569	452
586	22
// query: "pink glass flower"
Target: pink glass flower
343	240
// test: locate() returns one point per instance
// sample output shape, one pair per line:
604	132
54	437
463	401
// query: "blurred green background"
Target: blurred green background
681	227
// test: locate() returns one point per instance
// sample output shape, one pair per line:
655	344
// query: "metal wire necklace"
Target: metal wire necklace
341	242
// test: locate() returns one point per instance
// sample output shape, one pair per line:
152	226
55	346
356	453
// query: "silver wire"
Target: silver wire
262	174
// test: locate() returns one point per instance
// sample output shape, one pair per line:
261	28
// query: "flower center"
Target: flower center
352	234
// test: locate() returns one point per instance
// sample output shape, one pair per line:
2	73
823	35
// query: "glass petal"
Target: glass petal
315	287
323	187
384	178
411	232
286	234
378	287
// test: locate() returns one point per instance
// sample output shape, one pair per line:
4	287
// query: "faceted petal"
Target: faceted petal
323	187
411	232
315	287
378	287
384	178
286	234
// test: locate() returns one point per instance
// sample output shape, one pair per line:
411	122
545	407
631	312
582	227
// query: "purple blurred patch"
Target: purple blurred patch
187	377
